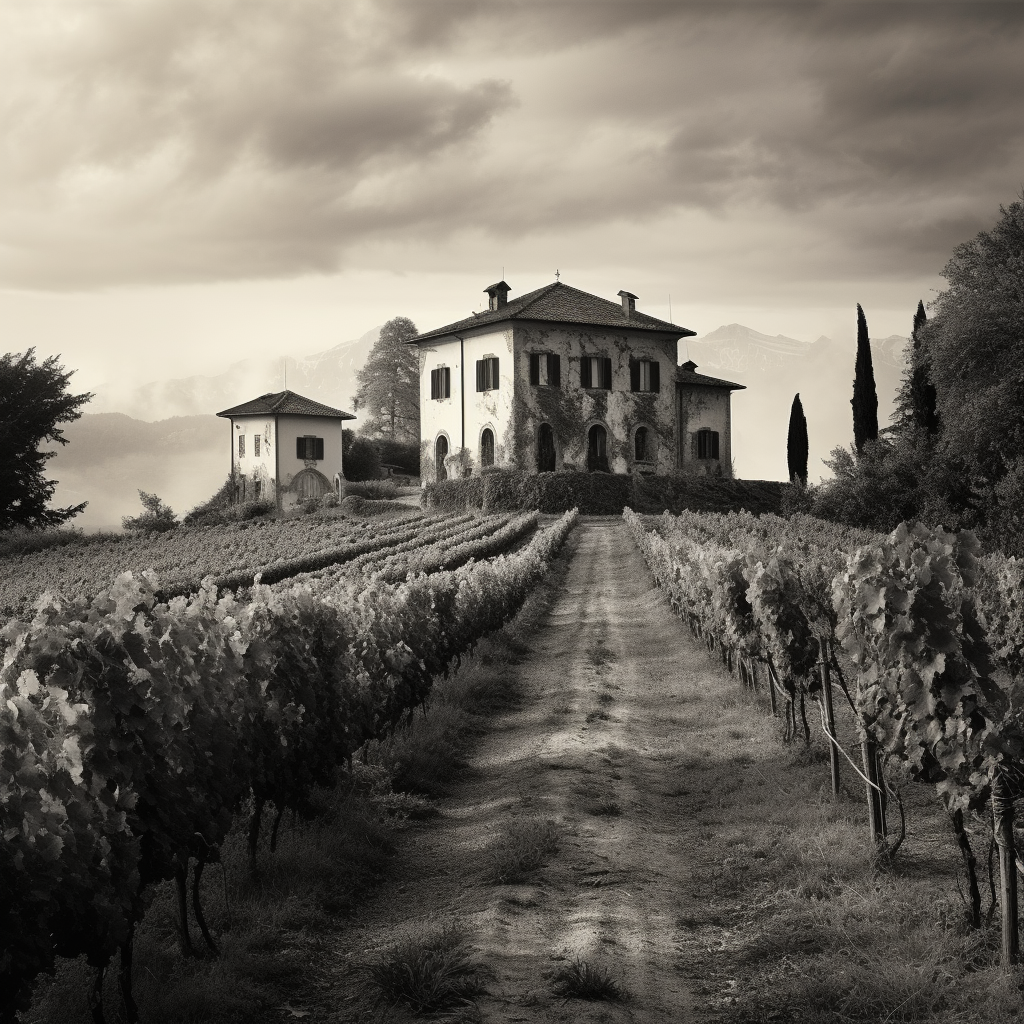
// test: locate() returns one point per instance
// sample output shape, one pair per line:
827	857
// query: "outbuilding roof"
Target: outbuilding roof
561	303
686	374
285	403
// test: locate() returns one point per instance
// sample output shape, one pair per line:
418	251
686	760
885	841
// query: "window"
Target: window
487	447
256	446
241	446
440	453
596	372
545	449
257	488
309	448
487	374
640	445
644	375
707	443
597	449
441	382
546	369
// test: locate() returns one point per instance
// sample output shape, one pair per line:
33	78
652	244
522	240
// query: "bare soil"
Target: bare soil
595	746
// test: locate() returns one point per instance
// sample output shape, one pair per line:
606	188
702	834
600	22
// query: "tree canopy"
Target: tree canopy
797	447
34	399
389	385
865	397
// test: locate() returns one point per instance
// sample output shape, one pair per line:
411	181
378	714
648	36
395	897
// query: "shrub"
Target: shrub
158	517
359	457
455	495
580	979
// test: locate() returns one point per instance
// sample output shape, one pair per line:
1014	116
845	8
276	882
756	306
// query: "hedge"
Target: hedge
602	493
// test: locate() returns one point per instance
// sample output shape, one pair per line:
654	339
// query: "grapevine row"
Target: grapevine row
134	731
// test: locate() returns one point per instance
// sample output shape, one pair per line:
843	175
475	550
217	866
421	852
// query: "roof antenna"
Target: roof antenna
670	307
285	362
557	278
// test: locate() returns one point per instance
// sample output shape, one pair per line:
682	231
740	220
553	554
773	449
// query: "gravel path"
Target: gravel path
597	745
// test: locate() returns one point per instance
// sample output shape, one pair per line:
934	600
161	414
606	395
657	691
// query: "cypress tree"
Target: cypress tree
796	445
865	398
922	390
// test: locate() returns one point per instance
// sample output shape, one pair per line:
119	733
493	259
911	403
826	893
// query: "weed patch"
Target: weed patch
524	846
581	979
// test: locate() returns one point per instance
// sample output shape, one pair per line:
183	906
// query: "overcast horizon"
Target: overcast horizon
186	184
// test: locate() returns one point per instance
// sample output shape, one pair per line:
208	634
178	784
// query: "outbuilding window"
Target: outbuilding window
707	443
441	382
256	446
309	448
546	369
487	374
241	446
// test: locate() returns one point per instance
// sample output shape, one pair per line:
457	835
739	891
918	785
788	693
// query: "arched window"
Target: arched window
641	449
440	453
487	447
597	449
545	449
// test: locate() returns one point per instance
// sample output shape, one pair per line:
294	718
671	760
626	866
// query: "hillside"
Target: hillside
774	369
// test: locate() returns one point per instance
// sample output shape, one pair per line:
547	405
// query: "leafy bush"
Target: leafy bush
359	457
158	517
212	511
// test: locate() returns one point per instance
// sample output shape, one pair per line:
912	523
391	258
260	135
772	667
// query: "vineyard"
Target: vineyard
920	635
138	729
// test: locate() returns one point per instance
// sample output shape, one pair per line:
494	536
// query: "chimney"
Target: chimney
497	294
628	303
689	366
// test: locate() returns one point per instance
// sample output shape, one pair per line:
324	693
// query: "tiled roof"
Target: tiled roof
561	303
685	376
285	403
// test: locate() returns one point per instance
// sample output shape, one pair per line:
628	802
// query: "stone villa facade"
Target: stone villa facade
562	379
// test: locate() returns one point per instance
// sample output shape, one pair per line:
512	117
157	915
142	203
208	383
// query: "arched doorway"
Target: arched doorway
597	449
641	446
545	449
487	448
310	484
440	454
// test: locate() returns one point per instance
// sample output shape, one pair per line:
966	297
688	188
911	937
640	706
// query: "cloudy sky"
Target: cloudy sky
187	182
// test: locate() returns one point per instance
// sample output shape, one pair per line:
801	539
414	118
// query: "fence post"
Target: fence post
830	717
876	814
1002	825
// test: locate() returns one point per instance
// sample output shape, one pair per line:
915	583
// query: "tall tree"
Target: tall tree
34	398
975	347
389	385
865	398
797	447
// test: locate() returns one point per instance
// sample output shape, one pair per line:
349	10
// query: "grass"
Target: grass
431	972
523	847
580	979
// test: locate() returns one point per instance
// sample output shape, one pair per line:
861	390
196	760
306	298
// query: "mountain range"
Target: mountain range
165	438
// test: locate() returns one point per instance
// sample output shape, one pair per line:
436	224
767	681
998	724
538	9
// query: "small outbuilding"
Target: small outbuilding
285	448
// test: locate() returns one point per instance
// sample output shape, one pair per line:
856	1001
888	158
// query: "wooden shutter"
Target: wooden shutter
447	389
634	375
585	377
300	447
318	448
655	376
535	368
241	446
606	373
481	374
554	369
714	443
433	385
495	376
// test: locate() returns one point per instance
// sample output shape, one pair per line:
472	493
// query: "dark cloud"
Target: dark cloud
188	140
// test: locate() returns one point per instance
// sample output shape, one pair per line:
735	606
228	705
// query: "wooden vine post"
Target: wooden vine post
830	716
1002	825
876	809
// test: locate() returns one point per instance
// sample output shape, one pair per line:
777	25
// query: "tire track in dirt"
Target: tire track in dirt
596	746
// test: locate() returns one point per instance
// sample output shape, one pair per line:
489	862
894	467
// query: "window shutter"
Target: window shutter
585	381
433	384
241	446
318	448
494	373
300	447
655	376
554	370
535	368
481	366
447	389
714	444
634	375
606	373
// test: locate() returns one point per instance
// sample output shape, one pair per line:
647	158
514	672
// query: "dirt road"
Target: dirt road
599	744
